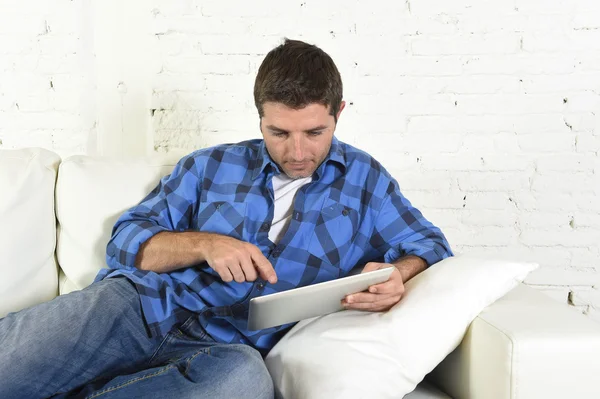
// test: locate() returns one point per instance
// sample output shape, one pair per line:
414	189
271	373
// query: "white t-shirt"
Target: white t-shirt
284	192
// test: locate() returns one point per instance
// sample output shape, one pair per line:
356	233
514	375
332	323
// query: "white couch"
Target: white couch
56	218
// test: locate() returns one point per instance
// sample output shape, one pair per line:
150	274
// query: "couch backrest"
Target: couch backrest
28	273
91	194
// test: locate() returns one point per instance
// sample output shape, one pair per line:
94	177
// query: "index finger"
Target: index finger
265	269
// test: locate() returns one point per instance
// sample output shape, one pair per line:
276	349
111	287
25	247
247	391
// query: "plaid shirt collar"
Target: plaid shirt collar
262	159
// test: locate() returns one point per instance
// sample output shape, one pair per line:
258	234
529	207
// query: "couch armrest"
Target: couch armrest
525	345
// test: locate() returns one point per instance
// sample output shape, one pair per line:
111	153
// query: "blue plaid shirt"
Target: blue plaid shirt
351	213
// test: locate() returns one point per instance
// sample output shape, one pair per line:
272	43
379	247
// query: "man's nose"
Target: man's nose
297	148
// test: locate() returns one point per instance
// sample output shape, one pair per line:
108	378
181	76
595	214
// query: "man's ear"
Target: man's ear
342	106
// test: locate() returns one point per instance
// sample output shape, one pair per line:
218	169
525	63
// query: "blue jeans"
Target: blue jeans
94	343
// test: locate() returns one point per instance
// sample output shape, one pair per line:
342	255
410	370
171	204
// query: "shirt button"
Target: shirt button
265	227
345	212
260	286
276	253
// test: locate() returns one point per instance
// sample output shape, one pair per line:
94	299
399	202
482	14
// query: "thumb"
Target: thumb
373	266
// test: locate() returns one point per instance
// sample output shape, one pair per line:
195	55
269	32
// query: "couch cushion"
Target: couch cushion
28	228
91	194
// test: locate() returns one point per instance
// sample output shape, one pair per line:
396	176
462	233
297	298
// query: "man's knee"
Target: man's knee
248	376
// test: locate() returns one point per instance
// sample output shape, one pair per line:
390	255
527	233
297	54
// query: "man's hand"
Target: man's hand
236	260
380	297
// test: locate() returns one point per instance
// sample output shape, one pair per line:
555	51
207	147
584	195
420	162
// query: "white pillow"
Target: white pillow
354	354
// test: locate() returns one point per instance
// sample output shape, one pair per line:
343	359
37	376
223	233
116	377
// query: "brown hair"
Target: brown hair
297	74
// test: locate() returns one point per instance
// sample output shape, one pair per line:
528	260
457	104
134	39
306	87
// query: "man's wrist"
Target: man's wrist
200	242
409	266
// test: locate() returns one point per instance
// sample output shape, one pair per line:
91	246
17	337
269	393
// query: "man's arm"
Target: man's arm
168	208
409	266
231	258
410	243
155	234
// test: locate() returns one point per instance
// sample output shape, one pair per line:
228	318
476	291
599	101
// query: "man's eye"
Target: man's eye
315	133
279	134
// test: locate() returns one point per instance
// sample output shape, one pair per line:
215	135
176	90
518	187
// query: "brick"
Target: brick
452	162
176	119
485	200
488	217
53	44
414	180
558	201
566	163
580	122
229	83
492	235
461	123
429	143
165	82
560	83
471	8
582	258
545	42
487	84
436	199
534	7
394	162
439	104
468	44
218	8
586	297
567	238
444	217
208	64
27	26
40	120
412	25
583	102
587	143
232	44
550	220
522	63
491	182
566	182
509	104
410	65
229	121
554	143
587	202
559	276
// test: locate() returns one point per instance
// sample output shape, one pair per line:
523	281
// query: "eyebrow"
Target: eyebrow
275	128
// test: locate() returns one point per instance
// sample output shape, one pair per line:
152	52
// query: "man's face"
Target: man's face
298	140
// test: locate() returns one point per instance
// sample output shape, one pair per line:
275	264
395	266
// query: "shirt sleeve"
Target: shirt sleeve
169	207
401	230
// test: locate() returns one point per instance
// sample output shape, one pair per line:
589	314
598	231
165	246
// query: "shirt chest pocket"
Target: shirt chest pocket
226	218
335	228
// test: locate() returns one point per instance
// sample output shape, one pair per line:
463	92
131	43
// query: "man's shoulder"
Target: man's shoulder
359	160
244	150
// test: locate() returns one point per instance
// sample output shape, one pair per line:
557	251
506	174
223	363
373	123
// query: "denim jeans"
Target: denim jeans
94	343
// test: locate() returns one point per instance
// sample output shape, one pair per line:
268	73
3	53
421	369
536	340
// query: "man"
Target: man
230	223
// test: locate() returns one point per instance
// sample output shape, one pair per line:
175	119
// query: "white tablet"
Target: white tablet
310	301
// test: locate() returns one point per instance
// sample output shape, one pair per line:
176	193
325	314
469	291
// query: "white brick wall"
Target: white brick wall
487	111
46	97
